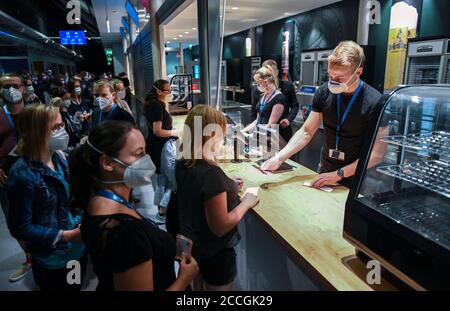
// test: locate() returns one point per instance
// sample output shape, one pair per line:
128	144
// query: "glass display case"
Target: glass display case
398	210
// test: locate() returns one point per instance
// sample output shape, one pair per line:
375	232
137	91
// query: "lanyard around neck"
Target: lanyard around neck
117	198
11	122
264	103
100	118
347	110
114	197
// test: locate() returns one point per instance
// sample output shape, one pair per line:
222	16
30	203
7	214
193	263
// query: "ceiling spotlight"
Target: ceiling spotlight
175	38
85	30
235	8
194	28
186	32
181	36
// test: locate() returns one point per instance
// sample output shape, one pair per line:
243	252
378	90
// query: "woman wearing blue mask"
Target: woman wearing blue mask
128	251
347	107
38	193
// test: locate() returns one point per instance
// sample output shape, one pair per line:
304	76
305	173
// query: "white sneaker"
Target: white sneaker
20	273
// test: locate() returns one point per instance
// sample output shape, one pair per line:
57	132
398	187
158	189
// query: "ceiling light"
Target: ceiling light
181	36
235	8
194	28
186	32
85	30
175	38
286	13
107	26
168	42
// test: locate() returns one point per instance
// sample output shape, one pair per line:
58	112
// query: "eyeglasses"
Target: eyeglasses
7	86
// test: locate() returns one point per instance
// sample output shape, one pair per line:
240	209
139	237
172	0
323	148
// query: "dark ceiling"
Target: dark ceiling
49	16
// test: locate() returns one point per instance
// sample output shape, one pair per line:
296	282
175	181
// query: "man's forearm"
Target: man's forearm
300	139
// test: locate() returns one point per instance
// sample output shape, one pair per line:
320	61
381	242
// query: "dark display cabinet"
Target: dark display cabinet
398	209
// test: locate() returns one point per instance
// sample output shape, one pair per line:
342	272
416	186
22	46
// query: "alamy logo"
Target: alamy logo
374	275
373	12
74	275
74	15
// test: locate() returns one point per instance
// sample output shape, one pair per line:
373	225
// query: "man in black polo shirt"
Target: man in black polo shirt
347	107
287	89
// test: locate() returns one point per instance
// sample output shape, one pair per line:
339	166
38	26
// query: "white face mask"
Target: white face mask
59	140
30	90
77	90
12	95
339	88
169	98
137	174
121	94
102	102
67	103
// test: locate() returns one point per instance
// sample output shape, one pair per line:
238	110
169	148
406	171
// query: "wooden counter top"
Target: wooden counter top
309	222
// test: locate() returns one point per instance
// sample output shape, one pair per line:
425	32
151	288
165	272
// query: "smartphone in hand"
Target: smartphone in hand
184	246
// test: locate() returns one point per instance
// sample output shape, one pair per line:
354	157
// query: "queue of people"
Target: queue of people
73	204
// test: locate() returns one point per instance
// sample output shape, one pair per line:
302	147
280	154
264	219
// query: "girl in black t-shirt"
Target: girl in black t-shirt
160	130
128	251
208	204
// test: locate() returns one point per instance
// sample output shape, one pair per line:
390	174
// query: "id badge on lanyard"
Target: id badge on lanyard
336	153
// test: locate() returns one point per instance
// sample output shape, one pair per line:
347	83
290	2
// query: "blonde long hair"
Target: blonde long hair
33	125
208	116
266	73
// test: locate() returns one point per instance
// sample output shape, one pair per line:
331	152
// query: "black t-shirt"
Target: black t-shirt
119	242
157	113
354	130
196	185
76	108
118	114
288	90
264	115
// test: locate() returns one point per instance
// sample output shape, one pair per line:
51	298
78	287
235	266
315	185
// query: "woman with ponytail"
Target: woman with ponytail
159	121
128	251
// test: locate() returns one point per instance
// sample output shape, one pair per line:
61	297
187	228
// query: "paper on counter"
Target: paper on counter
252	190
324	188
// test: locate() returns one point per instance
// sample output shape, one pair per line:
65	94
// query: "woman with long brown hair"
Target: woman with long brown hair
159	122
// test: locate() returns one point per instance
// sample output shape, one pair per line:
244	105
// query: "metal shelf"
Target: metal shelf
431	175
437	142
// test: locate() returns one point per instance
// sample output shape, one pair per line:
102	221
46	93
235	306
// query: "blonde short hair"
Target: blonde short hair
266	73
56	102
101	84
116	83
347	53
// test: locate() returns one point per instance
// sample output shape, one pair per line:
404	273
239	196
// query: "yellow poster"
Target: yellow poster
396	57
403	25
